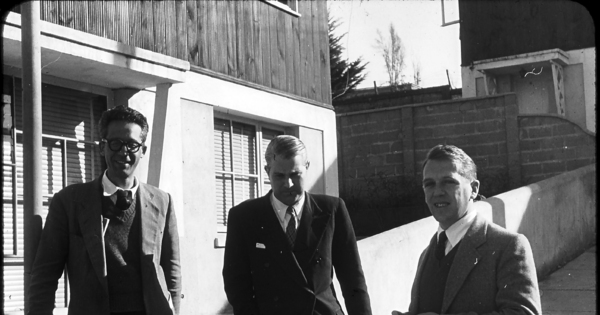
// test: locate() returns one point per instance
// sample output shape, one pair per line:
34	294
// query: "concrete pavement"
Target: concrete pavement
571	290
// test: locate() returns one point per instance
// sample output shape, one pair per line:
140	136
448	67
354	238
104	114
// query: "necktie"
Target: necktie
123	199
290	231
440	249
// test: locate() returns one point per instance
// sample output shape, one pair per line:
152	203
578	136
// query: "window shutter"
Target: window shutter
69	117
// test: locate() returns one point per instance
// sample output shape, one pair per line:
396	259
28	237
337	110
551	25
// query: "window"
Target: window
239	164
69	156
290	6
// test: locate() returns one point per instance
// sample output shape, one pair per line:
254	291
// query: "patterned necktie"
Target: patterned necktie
290	231
124	199
440	248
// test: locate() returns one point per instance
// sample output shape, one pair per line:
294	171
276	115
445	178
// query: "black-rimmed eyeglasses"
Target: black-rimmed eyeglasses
117	144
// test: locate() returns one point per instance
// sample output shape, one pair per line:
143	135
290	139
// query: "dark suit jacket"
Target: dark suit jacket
493	273
72	235
263	276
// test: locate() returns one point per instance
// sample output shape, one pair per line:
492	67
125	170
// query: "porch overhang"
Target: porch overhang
528	61
84	57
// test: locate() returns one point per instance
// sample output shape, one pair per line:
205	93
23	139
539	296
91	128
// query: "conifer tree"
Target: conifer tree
345	75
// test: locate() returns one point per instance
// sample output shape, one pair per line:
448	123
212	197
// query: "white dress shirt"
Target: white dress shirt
281	208
457	231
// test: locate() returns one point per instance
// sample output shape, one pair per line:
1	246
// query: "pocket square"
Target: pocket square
260	245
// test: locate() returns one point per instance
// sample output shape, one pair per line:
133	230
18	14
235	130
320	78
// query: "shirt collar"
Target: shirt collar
109	188
280	207
457	231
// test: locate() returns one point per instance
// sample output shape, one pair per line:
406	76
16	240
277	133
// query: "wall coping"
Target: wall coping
460	100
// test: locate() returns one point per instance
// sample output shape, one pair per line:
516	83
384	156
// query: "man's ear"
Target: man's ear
307	164
101	146
267	169
144	149
475	188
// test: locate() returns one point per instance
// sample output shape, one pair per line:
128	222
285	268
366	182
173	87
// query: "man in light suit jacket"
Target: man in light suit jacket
117	236
471	266
282	249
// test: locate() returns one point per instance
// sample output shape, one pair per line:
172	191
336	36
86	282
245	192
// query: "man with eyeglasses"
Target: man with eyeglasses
117	236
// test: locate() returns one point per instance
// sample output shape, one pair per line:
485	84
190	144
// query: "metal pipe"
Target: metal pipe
32	135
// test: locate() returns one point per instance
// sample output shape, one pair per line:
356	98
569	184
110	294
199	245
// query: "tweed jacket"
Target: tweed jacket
72	236
493	273
263	275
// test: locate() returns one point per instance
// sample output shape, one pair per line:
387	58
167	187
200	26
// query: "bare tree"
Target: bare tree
393	54
416	65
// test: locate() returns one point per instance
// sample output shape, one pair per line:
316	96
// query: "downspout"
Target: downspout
32	135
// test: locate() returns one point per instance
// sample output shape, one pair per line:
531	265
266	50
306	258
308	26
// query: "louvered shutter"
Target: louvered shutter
68	156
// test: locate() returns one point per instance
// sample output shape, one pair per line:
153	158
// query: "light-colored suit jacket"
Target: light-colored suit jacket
493	273
72	236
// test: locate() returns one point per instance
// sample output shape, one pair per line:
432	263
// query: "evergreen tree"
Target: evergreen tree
345	75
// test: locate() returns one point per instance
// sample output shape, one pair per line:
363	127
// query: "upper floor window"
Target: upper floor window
290	6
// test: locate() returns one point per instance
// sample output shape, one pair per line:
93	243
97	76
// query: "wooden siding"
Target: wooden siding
249	40
491	29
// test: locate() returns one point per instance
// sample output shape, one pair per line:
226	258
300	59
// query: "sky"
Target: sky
417	22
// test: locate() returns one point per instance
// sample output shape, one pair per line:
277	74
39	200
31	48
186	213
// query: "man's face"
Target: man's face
122	163
447	193
287	178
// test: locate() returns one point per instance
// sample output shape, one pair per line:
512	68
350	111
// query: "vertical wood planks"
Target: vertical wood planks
265	39
316	11
202	16
160	29
256	51
170	20
147	25
246	39
297	64
181	30
273	51
122	15
135	23
231	38
304	28
324	44
288	53
192	24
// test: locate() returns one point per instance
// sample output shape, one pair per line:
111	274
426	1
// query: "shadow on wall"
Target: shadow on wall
557	215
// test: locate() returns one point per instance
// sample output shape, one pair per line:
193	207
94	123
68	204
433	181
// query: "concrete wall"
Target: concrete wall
557	215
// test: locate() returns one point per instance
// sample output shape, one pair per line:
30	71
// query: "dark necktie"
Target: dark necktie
290	231
123	199
440	249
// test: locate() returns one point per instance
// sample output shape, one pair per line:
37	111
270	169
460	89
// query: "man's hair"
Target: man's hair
447	152
285	146
122	113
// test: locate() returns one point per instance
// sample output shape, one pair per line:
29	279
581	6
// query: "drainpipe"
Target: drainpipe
32	135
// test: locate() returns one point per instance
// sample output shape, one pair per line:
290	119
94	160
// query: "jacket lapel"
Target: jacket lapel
415	288
149	217
312	227
465	260
89	213
276	242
